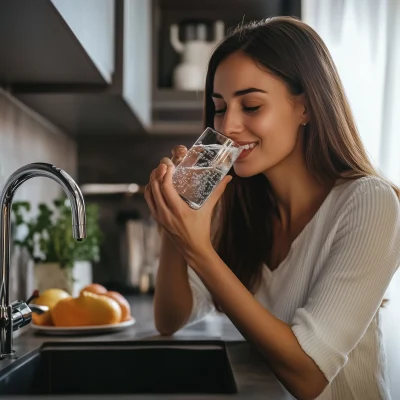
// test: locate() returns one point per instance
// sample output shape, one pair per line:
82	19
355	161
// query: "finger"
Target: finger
170	194
148	195
179	150
194	154
178	153
158	195
218	192
176	160
153	174
161	170
165	160
157	173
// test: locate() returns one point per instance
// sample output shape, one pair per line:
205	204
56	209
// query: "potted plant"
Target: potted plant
60	260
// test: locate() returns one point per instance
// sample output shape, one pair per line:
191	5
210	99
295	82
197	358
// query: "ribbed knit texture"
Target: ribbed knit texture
331	284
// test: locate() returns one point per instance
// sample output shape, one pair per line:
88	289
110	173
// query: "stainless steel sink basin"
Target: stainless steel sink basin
121	368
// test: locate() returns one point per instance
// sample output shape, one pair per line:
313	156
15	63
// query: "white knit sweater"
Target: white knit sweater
331	284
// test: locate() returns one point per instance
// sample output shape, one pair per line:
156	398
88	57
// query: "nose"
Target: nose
232	124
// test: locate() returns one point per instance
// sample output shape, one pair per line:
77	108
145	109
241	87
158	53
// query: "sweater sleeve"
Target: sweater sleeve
202	300
364	256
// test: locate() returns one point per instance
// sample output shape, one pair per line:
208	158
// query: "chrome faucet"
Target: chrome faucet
18	314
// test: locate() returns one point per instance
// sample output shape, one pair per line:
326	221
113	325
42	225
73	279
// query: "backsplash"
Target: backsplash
121	159
124	159
26	137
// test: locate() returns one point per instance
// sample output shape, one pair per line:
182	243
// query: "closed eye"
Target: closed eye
219	112
245	109
251	109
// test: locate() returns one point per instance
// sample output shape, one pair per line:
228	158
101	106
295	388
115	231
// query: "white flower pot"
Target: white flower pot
72	280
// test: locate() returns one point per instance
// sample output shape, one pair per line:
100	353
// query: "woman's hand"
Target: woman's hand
178	152
188	228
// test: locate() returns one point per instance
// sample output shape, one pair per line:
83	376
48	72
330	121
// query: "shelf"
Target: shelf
175	128
182	111
176	112
165	99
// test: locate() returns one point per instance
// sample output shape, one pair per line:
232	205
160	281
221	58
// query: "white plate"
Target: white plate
83	330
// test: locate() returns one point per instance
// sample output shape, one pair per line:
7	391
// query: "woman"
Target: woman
300	247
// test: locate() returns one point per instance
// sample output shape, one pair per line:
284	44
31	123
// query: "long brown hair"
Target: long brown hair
294	52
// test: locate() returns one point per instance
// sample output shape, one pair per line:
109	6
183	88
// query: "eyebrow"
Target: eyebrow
240	92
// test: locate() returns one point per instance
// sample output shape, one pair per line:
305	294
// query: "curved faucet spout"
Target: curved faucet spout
74	194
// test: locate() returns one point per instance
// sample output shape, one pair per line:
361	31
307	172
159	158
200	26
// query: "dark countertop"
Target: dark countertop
252	375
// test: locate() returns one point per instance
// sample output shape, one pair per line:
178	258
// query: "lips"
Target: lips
245	152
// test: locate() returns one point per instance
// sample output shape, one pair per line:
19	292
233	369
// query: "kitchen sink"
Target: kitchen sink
121	368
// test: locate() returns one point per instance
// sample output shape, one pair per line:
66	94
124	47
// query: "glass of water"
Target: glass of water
204	166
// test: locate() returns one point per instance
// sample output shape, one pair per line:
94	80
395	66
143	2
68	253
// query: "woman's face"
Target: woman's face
253	106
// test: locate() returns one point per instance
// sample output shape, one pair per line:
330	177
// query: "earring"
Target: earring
304	124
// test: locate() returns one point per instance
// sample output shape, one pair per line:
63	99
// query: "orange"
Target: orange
67	313
123	303
87	309
94	288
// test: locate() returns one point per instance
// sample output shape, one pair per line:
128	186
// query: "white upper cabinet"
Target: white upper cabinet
137	70
93	24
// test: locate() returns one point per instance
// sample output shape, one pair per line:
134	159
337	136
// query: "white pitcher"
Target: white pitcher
191	72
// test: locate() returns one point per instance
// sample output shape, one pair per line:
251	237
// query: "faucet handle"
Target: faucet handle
38	309
22	313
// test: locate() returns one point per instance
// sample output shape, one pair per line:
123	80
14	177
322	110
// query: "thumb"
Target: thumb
218	191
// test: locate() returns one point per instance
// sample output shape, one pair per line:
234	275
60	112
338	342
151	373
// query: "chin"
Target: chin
245	171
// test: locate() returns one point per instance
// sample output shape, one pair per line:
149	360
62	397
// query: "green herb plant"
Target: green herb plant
49	237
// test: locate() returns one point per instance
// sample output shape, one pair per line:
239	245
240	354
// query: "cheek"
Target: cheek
274	126
261	123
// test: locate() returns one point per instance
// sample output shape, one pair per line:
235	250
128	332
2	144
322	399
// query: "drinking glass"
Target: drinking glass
204	166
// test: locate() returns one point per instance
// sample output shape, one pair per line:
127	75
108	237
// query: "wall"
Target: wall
26	137
123	158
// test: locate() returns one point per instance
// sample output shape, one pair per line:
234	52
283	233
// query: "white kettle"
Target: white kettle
195	52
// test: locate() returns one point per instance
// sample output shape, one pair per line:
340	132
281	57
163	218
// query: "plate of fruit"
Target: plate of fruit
96	310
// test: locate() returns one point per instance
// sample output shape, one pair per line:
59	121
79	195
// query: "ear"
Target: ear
302	109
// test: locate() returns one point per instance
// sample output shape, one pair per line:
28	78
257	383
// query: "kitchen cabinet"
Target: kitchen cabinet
104	67
136	69
56	42
93	24
113	38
